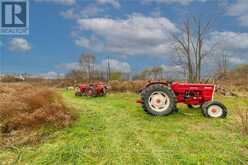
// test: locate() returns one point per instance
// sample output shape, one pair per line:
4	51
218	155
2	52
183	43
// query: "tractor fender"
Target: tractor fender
149	83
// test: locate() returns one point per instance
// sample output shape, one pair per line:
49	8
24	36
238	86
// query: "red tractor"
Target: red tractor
161	97
92	90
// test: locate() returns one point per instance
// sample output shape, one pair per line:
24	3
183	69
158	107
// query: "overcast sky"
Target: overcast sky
134	33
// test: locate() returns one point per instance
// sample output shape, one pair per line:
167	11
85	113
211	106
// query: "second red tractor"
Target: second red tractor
92	90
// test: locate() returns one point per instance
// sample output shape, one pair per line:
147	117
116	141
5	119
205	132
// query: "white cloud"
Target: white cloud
230	40
51	75
182	2
239	9
243	20
90	10
70	66
236	60
89	43
70	14
83	42
234	44
114	3
115	65
19	45
87	11
175	68
135	35
62	2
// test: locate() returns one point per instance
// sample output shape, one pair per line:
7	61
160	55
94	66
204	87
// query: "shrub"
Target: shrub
11	78
26	107
124	86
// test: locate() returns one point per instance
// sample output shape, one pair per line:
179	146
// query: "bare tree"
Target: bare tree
87	63
77	75
154	73
191	46
157	73
223	63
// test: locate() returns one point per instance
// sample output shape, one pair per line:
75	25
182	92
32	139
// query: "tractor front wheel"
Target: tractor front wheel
90	92
158	100
103	92
78	93
214	109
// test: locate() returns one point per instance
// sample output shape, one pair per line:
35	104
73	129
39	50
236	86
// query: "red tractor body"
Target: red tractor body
161	97
94	89
193	94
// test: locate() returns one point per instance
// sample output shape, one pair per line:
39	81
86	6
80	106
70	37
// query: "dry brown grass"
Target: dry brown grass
235	80
243	121
127	86
26	107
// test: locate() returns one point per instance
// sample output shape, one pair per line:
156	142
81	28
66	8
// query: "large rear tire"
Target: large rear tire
158	100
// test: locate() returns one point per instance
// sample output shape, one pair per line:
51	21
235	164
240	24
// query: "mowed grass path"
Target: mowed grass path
115	130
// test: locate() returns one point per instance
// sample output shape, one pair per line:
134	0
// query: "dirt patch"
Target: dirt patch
25	108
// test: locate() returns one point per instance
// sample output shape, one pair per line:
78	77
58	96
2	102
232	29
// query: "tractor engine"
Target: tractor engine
193	94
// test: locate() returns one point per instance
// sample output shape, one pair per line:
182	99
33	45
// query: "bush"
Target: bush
11	78
126	86
26	107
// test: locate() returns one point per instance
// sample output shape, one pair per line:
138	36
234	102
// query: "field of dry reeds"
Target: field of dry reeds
25	107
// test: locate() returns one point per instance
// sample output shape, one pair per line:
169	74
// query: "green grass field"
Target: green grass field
115	130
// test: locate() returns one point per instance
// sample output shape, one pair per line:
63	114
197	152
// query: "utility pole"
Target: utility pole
2	58
108	70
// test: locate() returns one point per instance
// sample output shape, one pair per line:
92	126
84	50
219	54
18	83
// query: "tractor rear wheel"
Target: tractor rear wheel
214	109
90	92
158	100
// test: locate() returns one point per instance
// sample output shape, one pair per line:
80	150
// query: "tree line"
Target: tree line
191	53
90	71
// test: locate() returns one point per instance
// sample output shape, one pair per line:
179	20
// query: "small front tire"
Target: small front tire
214	109
90	92
78	93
